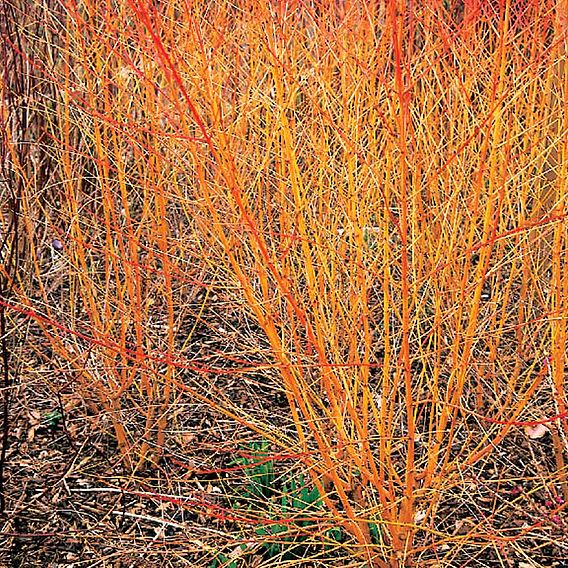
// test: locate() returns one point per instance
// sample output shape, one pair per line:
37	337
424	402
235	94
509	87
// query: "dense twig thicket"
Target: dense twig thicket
358	207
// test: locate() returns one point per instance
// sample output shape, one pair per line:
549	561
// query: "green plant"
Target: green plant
52	418
223	561
289	505
259	471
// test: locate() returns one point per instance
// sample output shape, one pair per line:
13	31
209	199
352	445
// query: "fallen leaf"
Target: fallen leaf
536	432
419	516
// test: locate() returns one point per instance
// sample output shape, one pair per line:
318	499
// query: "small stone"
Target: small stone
57	244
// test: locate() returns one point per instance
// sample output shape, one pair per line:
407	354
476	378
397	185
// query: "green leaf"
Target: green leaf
52	418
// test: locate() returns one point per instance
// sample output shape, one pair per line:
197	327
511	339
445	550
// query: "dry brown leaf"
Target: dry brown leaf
536	432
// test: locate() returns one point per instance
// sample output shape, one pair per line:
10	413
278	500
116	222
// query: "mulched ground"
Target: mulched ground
71	503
